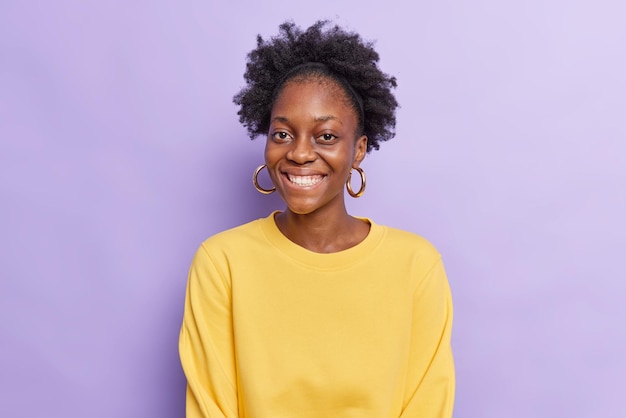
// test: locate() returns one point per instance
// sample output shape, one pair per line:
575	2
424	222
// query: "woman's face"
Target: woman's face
312	144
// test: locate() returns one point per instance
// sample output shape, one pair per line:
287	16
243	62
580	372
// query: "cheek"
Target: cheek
270	152
272	157
342	157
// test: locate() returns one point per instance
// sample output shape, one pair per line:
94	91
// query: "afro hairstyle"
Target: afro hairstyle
320	51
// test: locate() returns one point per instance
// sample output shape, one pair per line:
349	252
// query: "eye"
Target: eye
327	137
281	136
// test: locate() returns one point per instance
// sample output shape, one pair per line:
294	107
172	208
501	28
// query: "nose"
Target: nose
302	151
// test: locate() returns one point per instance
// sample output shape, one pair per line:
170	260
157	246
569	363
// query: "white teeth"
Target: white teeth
304	180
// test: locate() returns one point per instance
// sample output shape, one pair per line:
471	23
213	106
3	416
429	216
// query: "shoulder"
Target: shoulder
408	251
407	245
234	238
406	239
217	252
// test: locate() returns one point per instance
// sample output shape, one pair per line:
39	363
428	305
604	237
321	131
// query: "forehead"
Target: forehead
313	94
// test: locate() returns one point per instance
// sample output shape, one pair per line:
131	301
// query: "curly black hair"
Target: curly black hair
318	51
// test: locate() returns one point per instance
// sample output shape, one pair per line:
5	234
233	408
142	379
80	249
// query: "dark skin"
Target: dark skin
312	145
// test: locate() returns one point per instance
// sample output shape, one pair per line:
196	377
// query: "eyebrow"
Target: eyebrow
317	119
325	118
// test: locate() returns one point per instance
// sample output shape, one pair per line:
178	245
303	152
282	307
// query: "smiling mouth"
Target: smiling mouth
305	180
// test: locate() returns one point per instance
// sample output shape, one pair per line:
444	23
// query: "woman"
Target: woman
311	312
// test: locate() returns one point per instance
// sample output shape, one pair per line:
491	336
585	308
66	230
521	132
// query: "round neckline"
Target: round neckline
323	261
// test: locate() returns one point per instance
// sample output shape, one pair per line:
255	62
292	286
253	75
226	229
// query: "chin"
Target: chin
312	204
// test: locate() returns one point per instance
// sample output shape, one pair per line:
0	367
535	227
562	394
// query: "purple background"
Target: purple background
121	151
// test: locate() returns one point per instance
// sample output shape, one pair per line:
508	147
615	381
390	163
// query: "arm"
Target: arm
431	368
206	342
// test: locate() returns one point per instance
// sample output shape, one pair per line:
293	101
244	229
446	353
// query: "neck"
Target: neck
321	233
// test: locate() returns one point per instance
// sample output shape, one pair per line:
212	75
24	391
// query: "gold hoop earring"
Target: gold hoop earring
349	186
255	181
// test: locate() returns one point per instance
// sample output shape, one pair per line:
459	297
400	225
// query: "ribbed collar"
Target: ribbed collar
332	261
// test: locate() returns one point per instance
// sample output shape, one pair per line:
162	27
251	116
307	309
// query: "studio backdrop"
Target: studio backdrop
121	151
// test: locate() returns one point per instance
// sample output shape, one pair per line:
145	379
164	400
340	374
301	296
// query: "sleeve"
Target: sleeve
431	382
206	344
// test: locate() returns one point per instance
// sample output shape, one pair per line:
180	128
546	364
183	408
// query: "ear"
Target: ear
360	149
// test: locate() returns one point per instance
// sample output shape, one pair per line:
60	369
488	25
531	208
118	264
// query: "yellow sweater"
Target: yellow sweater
273	330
